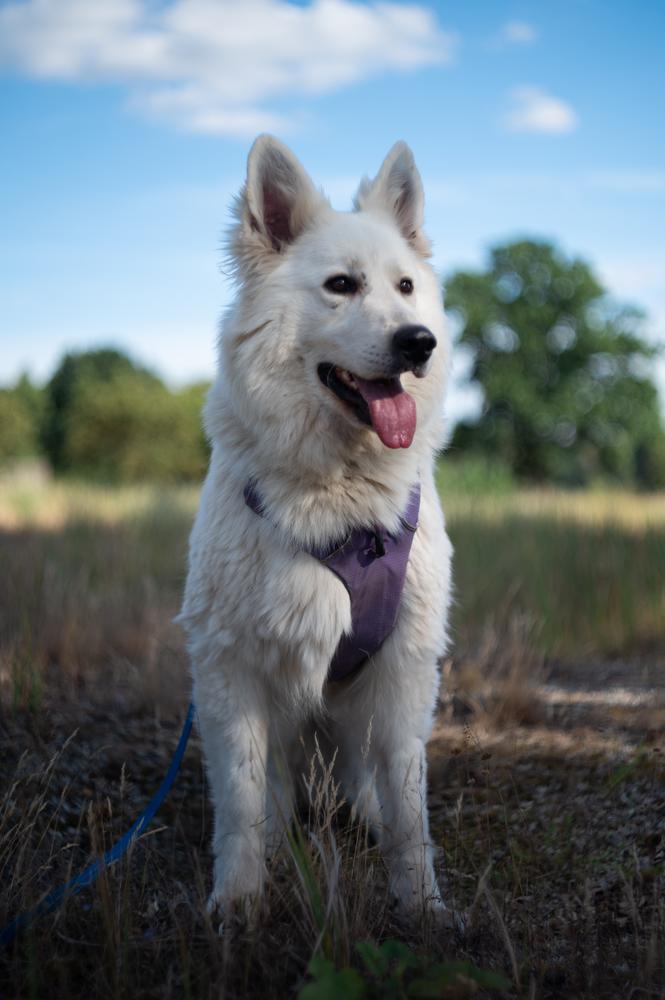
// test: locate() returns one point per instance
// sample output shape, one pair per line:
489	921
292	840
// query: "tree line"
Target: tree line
565	373
102	416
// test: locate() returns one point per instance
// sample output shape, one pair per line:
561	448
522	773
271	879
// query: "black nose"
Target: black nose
413	345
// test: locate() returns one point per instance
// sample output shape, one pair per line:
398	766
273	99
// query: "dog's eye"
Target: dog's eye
406	286
341	284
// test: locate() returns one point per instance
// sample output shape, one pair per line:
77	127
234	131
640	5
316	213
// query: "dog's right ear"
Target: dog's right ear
275	206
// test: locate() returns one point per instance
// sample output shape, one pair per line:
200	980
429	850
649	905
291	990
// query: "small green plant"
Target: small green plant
332	984
392	971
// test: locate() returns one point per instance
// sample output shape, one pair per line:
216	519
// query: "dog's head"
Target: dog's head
340	317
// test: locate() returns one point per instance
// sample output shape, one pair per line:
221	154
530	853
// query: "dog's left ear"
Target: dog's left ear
398	190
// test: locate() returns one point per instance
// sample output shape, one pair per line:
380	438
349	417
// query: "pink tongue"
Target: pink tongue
392	410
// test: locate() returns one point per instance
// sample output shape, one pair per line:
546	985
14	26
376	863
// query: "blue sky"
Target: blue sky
125	127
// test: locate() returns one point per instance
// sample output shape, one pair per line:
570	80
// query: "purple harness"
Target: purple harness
371	563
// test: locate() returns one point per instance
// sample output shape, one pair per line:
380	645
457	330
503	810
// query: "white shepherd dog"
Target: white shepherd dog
324	420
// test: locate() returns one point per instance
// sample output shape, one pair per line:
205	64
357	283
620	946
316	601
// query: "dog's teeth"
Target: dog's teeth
346	377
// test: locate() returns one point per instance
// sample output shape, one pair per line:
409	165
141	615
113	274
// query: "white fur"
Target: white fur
263	618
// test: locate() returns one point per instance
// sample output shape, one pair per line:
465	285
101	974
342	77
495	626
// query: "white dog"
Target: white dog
324	421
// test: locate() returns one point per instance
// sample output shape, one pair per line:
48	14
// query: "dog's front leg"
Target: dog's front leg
234	729
382	724
401	783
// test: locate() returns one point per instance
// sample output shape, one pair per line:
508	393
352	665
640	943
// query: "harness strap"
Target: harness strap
371	563
408	520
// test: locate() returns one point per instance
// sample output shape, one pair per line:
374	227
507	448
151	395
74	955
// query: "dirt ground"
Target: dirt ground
547	799
574	766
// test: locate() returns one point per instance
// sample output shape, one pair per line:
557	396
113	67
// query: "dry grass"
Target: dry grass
585	569
546	765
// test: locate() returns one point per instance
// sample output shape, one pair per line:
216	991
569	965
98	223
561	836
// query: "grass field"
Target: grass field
546	785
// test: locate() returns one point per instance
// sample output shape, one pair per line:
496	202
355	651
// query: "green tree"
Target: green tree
107	418
81	373
21	408
17	437
565	373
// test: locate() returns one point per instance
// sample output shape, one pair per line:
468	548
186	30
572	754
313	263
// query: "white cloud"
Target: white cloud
512	33
536	111
216	65
518	33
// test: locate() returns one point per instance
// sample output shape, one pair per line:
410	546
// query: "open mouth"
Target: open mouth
381	403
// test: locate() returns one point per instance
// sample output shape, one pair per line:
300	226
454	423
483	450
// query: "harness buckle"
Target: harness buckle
378	547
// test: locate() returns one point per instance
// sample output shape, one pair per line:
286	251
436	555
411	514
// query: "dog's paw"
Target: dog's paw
233	912
216	910
443	918
431	911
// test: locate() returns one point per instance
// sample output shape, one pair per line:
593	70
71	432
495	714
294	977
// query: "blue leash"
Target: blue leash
94	870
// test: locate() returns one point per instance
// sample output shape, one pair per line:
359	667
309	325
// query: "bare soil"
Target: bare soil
547	798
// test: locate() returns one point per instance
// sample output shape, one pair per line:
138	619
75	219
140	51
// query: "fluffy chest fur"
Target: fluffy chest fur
252	585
